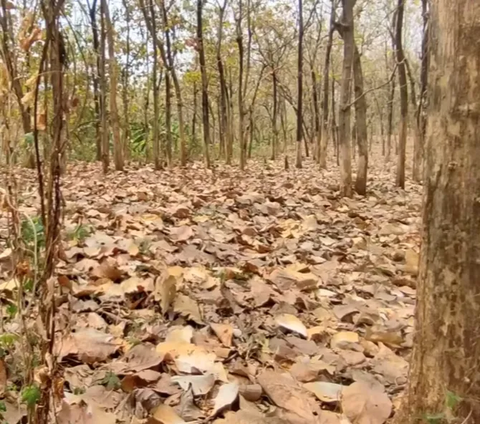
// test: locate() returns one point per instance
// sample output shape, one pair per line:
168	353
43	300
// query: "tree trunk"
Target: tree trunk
241	106
421	118
203	71
96	94
361	124
275	114
298	162
402	80
446	355
112	67
223	118
176	84
345	98
103	92
125	86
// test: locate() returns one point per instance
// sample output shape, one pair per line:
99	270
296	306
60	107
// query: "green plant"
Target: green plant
80	233
33	233
12	310
452	401
111	381
31	395
3	408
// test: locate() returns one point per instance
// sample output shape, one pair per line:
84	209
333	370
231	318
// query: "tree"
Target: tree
241	104
103	92
322	154
345	96
298	162
112	67
402	80
361	123
446	358
203	71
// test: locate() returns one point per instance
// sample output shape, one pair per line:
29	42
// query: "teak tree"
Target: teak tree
344	133
446	356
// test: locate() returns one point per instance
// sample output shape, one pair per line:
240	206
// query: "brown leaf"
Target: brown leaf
224	332
188	308
364	404
3	376
83	413
181	233
292	323
200	384
107	270
324	391
227	395
88	345
285	393
165	414
165	291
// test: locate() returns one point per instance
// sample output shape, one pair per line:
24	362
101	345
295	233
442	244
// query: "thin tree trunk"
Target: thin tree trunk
203	71
444	379
345	97
176	85
103	92
96	72
298	162
361	124
402	80
225	148
125	86
112	67
275	114
241	106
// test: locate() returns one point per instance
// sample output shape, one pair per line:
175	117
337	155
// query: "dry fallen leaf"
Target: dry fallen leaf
200	384
364	404
292	323
187	307
224	332
227	395
324	391
165	414
285	393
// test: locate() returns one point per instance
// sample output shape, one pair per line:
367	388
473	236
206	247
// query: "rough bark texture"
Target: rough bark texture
298	161
224	133
112	67
203	71
103	93
446	355
322	156
361	124
345	97
241	106
402	80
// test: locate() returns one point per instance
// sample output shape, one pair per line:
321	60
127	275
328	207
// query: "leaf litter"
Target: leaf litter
212	296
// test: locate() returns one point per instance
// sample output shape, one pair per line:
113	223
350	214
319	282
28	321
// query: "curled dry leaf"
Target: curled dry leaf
227	395
365	404
200	362
343	339
292	323
165	290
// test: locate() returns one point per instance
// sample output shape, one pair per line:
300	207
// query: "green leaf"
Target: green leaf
111	381
31	395
452	400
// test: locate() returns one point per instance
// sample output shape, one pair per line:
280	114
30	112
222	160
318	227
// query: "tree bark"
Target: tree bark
345	98
103	92
446	355
203	71
96	94
298	161
125	86
241	105
361	124
402	80
112	67
176	84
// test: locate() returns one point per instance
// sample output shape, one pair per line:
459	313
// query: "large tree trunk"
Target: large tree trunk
446	356
345	98
361	125
112	67
402	80
203	71
298	161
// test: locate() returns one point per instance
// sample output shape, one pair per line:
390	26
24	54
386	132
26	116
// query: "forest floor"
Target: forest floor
237	298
